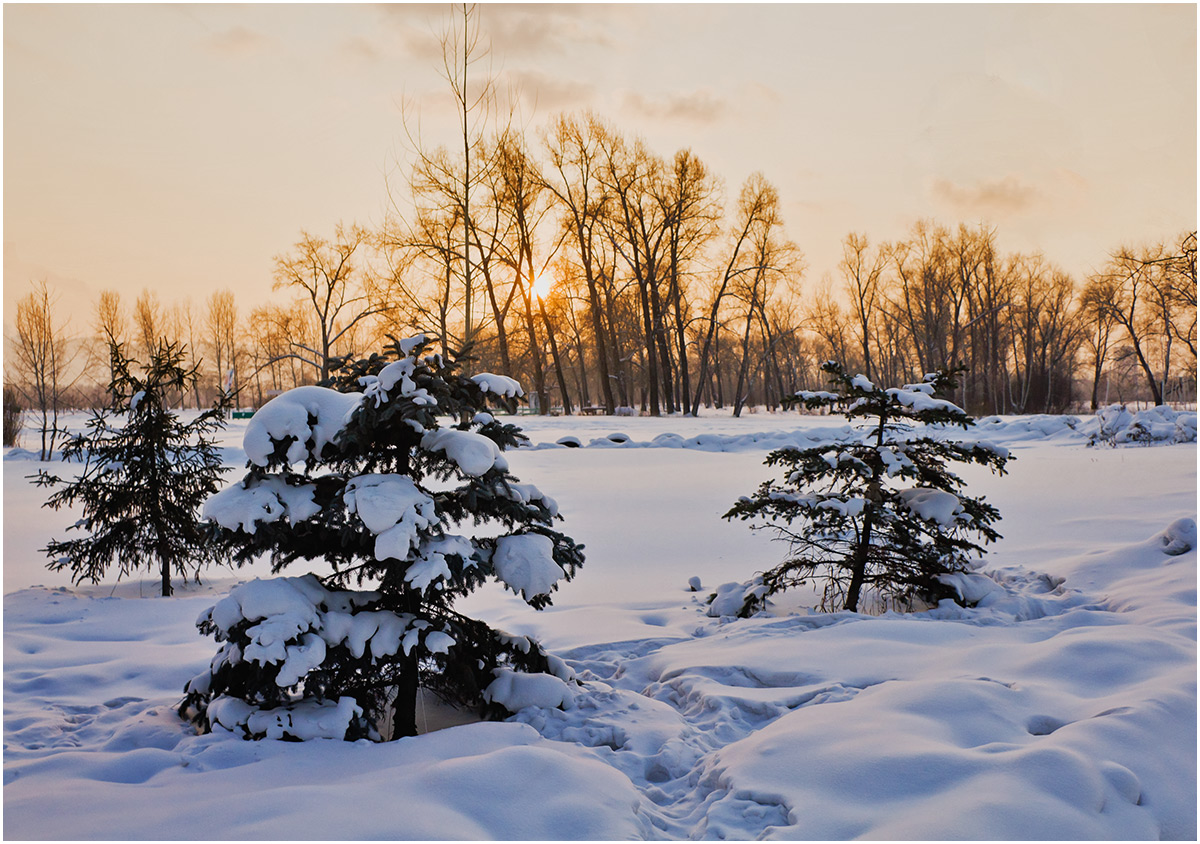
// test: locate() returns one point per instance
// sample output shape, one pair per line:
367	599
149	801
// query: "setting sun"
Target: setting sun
542	285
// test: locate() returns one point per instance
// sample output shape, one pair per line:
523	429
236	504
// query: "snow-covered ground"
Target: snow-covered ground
1063	708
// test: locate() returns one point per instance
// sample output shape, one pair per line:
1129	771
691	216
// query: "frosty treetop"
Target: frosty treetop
880	512
380	492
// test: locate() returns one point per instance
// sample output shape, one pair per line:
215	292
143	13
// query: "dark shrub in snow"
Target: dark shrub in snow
145	475
880	512
13	417
377	483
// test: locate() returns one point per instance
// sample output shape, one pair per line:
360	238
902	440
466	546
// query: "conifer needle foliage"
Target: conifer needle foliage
145	474
880	512
396	488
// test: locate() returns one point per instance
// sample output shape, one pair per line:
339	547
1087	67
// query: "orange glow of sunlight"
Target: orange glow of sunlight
542	285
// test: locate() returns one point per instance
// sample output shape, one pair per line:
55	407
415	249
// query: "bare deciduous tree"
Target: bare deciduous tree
573	146
327	274
862	276
220	324
148	322
758	206
43	359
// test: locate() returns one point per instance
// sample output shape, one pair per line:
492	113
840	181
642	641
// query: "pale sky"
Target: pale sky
181	147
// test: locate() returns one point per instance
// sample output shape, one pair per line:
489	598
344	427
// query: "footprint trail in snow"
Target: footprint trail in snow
841	725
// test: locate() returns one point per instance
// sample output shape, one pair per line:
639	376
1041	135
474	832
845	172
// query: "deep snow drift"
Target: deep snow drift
1063	706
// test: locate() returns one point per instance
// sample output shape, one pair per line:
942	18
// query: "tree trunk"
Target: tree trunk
685	386
738	398
664	352
404	713
558	370
651	348
601	344
498	315
1155	392
535	352
720	403
858	564
624	380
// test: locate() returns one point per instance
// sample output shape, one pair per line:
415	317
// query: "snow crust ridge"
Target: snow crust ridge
1113	425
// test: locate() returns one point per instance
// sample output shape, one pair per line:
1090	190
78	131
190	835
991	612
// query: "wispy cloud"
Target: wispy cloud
512	30
529	29
550	92
762	93
237	41
700	106
359	49
1009	195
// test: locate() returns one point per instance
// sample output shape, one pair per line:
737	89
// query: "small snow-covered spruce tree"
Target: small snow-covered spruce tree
145	475
376	484
880	512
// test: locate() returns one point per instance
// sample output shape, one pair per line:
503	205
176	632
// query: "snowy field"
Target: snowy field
1064	706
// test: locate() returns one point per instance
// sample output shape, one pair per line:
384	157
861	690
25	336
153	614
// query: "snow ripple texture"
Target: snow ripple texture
1017	712
1061	705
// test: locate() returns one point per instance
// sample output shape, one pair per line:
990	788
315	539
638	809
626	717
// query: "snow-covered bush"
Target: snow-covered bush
1161	424
878	512
377	482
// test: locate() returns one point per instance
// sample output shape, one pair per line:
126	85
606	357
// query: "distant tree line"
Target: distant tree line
1031	338
643	293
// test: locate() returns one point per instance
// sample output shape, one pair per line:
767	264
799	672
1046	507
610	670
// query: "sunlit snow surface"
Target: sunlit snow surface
1063	706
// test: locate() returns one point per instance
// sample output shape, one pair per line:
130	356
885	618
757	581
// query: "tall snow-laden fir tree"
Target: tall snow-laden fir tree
880	512
377	484
145	475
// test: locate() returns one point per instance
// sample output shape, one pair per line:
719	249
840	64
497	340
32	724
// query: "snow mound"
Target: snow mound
517	690
1179	537
525	564
473	453
1117	425
984	762
304	721
1158	425
392	508
971	588
262	501
737	598
290	621
1022	428
311	417
501	385
932	505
